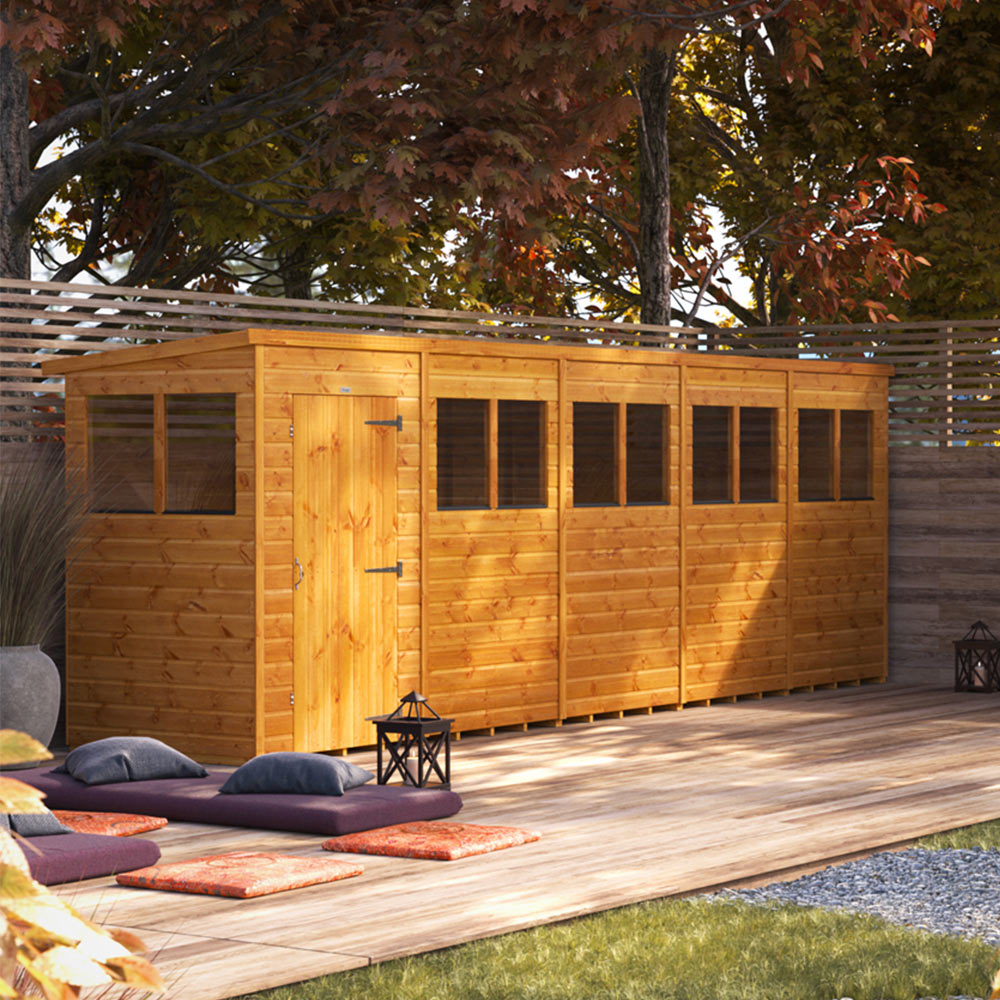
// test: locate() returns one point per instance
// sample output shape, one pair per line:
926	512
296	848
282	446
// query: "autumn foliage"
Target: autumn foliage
438	151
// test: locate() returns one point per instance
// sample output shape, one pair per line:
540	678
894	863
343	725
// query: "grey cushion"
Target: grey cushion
36	824
128	758
297	773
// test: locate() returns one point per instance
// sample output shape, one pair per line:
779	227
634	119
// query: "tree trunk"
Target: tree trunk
296	269
655	81
15	240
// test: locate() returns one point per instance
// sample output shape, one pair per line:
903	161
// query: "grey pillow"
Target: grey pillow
296	773
128	758
36	824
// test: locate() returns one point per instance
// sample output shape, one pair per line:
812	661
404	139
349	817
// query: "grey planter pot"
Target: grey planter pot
30	692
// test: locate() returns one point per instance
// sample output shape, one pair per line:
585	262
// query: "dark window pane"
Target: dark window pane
815	454
855	455
461	453
645	454
757	455
520	453
595	450
201	453
121	453
712	478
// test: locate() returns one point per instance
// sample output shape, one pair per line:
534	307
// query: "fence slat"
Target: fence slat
939	364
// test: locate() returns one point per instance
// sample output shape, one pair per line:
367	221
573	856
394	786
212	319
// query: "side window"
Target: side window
855	454
490	454
815	454
461	453
620	454
120	451
821	452
711	440
595	454
201	454
758	459
646	466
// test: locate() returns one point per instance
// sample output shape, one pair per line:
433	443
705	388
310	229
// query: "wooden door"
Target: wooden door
344	453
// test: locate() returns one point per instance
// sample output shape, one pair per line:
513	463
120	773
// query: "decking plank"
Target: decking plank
629	809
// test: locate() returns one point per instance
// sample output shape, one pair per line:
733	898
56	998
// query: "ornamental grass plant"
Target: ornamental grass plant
41	513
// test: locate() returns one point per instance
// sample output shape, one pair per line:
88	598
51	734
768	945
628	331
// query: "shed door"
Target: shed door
344	450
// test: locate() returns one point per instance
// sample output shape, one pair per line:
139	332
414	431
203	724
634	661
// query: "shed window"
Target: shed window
121	453
595	454
712	480
816	454
520	453
757	454
646	477
855	454
462	453
201	453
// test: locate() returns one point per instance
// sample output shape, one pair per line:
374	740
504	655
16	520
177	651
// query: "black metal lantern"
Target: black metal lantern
977	660
413	742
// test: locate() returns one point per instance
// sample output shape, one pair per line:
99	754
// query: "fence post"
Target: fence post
948	440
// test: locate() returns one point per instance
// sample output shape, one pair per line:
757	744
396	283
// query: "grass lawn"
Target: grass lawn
689	949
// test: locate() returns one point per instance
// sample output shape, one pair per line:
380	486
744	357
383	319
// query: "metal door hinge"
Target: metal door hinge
291	430
397	569
397	423
291	698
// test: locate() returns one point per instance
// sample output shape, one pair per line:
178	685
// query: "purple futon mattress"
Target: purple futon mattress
198	800
70	857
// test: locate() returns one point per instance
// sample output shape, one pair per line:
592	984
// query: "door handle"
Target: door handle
397	569
299	580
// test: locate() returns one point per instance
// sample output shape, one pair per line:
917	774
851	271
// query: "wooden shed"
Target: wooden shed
292	529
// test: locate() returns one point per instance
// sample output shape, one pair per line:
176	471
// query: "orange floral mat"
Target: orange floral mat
433	840
240	874
109	824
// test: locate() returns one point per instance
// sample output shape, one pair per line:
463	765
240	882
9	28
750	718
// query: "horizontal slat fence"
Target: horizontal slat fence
944	392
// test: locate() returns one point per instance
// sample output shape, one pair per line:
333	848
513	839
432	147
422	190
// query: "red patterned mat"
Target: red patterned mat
109	824
433	840
240	874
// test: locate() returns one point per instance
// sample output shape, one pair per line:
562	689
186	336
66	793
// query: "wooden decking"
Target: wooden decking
628	809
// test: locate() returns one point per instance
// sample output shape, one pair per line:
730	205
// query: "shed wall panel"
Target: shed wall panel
160	616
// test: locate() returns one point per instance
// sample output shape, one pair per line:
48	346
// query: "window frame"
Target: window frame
620	458
159	456
491	447
836	454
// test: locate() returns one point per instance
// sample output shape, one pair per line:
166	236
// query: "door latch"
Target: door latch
397	569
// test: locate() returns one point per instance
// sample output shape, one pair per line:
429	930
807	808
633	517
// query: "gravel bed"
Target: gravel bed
947	892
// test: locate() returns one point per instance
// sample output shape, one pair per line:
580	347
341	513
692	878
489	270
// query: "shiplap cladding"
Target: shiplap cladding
184	626
160	615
